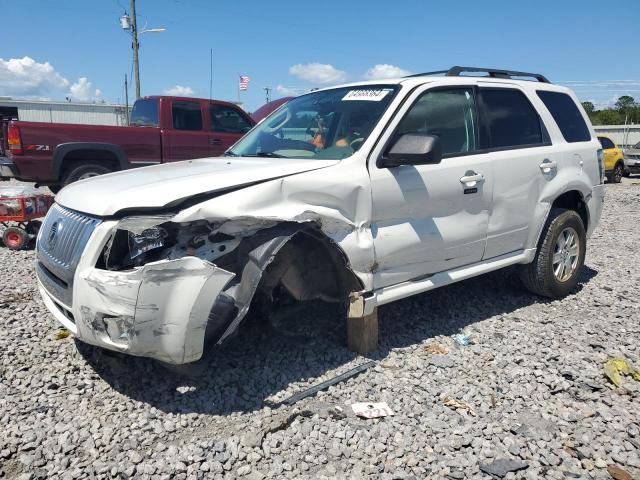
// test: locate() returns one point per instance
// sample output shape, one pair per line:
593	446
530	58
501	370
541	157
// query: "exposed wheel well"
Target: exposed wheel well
572	200
78	157
310	266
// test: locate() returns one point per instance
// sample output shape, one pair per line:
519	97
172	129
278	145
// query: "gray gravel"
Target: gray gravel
532	376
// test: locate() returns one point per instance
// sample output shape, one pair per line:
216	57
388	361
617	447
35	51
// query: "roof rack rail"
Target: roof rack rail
491	72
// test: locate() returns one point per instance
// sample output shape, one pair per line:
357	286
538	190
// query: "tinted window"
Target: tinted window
567	116
449	114
226	119
186	116
513	121
606	143
145	113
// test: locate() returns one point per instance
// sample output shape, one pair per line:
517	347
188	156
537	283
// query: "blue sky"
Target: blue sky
590	45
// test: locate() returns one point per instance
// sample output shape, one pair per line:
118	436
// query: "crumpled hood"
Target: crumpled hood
161	185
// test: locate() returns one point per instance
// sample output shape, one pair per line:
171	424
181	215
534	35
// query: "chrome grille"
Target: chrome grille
61	241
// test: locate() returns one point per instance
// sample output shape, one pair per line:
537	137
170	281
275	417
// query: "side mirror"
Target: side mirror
412	149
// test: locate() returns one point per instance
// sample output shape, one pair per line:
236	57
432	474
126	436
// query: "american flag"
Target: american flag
244	82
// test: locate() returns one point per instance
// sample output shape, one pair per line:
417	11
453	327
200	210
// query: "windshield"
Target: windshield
331	124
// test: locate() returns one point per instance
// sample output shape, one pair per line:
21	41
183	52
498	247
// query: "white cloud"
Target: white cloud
290	91
27	78
82	91
318	73
384	70
179	91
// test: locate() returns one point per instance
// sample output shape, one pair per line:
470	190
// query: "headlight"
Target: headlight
145	241
137	241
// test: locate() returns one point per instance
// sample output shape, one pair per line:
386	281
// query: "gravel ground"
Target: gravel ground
531	378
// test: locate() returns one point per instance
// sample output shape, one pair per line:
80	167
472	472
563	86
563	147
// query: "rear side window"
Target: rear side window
145	113
186	116
513	122
606	143
567	116
227	119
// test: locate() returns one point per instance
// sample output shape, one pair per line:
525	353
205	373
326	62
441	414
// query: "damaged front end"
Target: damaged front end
161	289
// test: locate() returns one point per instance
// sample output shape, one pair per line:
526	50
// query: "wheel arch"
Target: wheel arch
277	255
68	153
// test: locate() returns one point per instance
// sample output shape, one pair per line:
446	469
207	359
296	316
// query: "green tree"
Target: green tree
608	117
588	107
624	103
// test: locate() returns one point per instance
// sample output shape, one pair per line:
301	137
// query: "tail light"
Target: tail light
13	140
601	164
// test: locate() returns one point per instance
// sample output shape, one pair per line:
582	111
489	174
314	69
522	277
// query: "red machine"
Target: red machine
22	205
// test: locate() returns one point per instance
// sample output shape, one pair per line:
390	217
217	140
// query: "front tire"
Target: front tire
559	260
83	171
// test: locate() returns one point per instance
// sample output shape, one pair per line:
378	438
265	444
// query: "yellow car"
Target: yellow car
613	160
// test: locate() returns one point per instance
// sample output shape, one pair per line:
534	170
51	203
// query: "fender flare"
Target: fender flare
63	149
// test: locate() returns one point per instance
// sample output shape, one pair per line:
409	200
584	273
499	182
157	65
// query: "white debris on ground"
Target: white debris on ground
525	398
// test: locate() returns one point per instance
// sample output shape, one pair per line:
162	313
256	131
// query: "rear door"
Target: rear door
524	161
227	124
188	138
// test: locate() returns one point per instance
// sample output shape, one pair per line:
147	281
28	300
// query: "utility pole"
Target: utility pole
126	97
135	45
130	24
267	91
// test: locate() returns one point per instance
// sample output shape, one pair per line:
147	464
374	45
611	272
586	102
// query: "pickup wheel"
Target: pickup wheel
557	264
84	170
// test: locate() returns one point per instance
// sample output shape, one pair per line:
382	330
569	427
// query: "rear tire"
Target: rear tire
15	238
618	171
83	171
558	262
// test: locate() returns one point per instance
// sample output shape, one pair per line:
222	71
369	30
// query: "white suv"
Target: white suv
360	194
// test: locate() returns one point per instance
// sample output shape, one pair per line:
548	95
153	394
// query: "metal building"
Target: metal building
63	112
624	136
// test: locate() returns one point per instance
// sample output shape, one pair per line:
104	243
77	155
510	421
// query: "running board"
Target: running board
413	287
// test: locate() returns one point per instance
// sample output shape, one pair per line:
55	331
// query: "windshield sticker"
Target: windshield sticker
366	94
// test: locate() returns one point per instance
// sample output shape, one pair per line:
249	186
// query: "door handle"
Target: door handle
215	141
471	179
547	165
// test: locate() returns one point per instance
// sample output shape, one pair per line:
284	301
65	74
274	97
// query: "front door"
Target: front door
227	126
431	218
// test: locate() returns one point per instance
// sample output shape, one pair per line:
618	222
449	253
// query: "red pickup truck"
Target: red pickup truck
162	129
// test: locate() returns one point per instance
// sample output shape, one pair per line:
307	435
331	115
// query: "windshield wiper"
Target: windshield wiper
230	153
267	154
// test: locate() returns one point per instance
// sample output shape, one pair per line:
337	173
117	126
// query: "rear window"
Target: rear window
145	113
186	116
513	122
567	116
